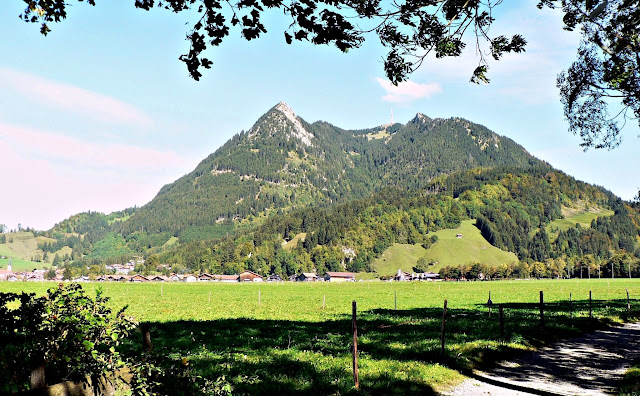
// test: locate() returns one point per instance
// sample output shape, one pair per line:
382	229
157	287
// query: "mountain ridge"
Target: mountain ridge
284	162
356	191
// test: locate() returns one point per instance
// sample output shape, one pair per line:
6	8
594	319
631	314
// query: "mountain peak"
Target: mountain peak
299	130
420	118
283	107
282	119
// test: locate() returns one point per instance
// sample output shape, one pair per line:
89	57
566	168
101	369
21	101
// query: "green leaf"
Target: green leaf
88	344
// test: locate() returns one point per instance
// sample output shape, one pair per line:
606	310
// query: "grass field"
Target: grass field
448	251
278	339
294	241
22	265
584	219
21	249
398	256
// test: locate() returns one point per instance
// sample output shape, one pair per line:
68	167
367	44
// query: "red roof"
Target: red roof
226	277
341	274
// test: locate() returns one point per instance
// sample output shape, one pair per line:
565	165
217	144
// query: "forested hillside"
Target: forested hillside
284	163
346	196
512	207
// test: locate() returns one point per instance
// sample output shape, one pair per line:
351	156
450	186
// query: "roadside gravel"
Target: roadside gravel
592	364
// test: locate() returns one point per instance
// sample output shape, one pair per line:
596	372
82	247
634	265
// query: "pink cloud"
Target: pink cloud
51	176
74	99
50	145
407	91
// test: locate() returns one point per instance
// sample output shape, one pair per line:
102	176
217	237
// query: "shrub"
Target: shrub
73	335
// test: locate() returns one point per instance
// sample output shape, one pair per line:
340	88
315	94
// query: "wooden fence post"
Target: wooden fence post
501	314
628	303
324	301
444	321
489	303
354	327
541	308
259	297
570	306
146	336
590	314
209	296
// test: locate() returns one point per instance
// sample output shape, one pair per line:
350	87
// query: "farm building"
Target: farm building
226	278
274	278
340	277
430	276
189	278
307	277
138	278
158	278
250	276
205	277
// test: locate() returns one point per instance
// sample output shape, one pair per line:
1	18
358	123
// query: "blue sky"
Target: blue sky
100	114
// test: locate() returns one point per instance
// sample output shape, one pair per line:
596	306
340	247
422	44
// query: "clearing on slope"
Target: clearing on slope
449	250
22	247
573	217
289	245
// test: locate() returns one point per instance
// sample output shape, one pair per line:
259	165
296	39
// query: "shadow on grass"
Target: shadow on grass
399	350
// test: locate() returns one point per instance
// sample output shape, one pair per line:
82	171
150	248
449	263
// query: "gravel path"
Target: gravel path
589	365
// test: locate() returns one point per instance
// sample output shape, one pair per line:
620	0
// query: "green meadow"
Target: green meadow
22	247
570	220
277	338
449	250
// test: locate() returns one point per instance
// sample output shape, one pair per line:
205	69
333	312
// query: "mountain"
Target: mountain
287	196
285	163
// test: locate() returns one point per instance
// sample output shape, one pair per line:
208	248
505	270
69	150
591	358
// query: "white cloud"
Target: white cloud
407	91
73	99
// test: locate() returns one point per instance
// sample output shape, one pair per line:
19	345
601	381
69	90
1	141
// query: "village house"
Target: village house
274	278
250	276
340	277
138	278
189	278
307	277
205	277
227	278
158	278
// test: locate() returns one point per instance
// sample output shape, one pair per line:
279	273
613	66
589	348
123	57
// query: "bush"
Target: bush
75	337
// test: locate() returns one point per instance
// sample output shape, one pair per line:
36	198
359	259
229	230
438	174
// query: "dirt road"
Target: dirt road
589	365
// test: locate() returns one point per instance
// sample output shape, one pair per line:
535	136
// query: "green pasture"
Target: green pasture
584	219
278	339
22	265
398	256
21	247
448	251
